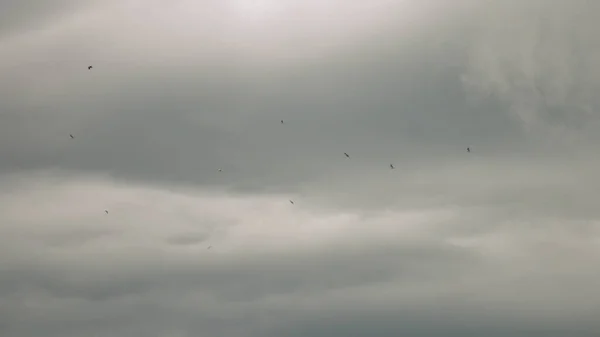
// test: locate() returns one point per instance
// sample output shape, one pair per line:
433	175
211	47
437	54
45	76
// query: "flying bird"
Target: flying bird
90	67
220	170
347	155
282	121
209	247
71	136
106	211
468	149
392	166
291	202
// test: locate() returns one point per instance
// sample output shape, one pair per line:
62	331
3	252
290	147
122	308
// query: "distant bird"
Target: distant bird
209	247
291	202
220	170
282	121
106	211
90	67
347	155
72	137
468	149
392	166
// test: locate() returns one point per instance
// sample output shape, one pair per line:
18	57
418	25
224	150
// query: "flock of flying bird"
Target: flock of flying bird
220	170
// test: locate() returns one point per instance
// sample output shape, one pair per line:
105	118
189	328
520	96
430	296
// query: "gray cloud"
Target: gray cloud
543	64
281	269
496	242
31	14
328	108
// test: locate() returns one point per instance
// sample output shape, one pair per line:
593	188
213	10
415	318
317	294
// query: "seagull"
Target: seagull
468	149
347	155
291	202
392	166
90	67
106	211
72	137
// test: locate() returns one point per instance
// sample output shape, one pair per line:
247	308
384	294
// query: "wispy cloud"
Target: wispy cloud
539	57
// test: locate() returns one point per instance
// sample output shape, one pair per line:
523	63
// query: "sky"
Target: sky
501	241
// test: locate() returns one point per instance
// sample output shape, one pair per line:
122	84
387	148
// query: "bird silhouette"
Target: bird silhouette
392	166
90	67
468	149
347	155
291	202
106	211
72	137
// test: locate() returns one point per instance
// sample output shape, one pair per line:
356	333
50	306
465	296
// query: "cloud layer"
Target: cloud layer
501	241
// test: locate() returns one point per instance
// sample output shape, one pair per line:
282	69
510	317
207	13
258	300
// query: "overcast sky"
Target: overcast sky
503	241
